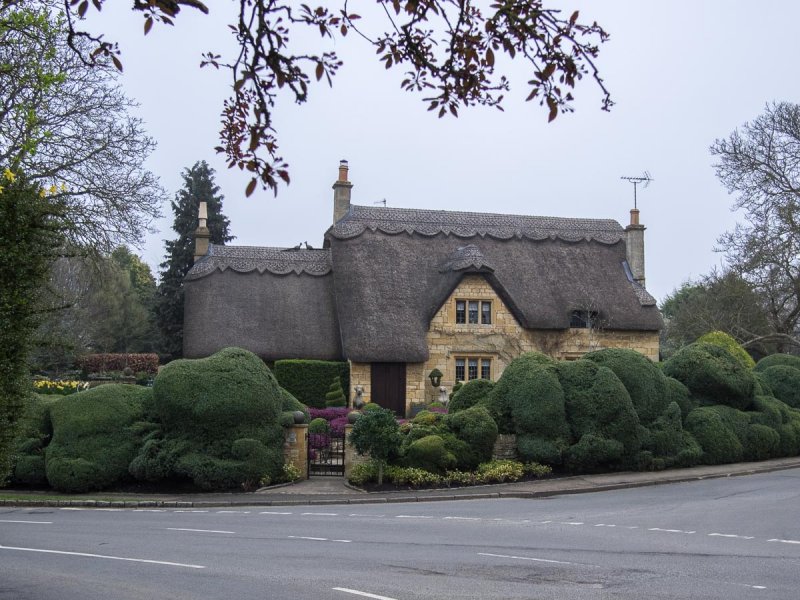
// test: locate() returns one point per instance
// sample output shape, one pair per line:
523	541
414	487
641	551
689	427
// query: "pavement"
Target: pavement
334	490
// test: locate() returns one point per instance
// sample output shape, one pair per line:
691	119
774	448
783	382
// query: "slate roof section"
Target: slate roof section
469	224
278	261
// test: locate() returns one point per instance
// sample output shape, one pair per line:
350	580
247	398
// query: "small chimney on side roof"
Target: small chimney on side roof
341	193
201	235
634	246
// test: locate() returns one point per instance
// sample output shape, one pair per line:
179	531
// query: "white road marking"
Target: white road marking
319	514
604	525
544	560
28	522
343	541
366	515
364	594
463	518
302	537
190	511
199	530
758	587
670	530
233	512
785	541
72	508
570	523
86	554
731	535
142	509
111	509
411	517
272	512
544	522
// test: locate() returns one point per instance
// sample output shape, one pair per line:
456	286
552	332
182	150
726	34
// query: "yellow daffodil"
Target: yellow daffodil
9	175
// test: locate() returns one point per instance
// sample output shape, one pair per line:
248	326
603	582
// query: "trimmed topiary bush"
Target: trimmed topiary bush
335	396
94	438
599	406
723	340
594	452
642	378
34	433
319	425
785	420
476	428
784	383
469	394
718	441
787	360
377	434
528	400
679	394
220	418
430	454
309	380
712	375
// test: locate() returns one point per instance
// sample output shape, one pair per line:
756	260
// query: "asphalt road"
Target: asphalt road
723	538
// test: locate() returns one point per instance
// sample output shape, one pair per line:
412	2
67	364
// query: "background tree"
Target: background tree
377	434
446	48
30	238
716	302
198	186
68	126
101	305
760	164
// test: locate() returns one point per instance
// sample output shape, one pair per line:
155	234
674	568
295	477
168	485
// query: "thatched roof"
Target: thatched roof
370	295
395	267
275	302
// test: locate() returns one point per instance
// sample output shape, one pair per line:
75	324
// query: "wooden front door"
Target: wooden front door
388	383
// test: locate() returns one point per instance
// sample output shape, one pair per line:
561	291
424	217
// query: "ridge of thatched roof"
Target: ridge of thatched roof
279	261
471	224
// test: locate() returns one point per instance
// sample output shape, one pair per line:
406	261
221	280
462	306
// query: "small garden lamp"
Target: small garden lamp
436	377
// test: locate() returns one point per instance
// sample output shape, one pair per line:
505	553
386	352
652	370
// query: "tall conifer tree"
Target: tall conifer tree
198	186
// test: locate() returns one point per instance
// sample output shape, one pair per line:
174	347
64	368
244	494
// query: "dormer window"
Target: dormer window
583	319
473	312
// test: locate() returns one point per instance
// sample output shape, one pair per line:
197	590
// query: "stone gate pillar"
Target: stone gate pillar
295	448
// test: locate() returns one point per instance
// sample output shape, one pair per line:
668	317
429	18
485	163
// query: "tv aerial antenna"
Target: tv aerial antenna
381	202
645	179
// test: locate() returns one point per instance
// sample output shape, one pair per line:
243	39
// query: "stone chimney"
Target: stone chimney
201	235
634	242
341	193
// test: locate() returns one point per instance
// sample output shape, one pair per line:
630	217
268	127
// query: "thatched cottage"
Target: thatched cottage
401	292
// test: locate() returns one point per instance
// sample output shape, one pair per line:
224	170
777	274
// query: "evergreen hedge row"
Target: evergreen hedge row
310	380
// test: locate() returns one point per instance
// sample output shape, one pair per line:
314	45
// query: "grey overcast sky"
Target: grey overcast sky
682	73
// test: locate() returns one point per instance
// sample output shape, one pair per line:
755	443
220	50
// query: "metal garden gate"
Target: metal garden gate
326	453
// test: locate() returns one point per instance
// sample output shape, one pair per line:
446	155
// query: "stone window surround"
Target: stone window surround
481	358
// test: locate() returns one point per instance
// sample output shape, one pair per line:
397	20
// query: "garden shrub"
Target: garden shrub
528	400
427	417
779	416
475	427
469	394
642	378
594	452
335	396
761	388
430	454
220	418
290	403
507	391
500	471
784	383
762	442
717	439
668	443
318	425
767	410
309	380
34	433
94	439
679	394
712	375
597	404
536	449
787	360
723	340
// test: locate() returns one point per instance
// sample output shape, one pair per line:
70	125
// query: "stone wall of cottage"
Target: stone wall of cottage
501	341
